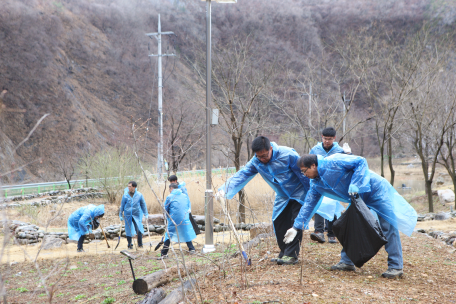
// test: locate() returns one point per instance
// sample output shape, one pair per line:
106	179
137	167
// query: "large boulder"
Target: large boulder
445	196
440	181
441	216
156	219
50	242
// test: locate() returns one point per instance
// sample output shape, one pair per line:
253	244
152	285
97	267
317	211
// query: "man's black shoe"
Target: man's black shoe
332	240
318	236
343	267
392	273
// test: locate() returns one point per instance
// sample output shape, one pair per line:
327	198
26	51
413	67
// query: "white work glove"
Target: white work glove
353	190
290	235
220	194
346	148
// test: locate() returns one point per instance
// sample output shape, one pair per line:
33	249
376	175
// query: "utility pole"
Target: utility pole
160	94
208	195
344	100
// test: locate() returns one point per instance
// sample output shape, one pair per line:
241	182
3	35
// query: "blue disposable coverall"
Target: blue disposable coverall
184	191
290	185
177	205
336	173
133	208
337	209
78	222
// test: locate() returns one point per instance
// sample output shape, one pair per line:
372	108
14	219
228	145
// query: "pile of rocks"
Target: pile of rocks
55	197
200	220
448	238
26	233
112	231
436	216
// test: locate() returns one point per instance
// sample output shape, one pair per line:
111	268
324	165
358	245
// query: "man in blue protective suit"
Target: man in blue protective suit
133	208
339	176
82	221
325	148
278	167
173	180
179	227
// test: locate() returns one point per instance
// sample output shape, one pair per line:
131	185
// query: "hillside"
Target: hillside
86	63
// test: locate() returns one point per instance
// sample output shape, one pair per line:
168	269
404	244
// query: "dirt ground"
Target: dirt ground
102	275
105	276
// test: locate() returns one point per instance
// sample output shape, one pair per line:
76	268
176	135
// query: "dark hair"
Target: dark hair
133	183
173	186
172	178
308	160
330	132
261	143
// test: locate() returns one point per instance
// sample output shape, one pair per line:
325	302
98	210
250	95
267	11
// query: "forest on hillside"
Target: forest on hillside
86	64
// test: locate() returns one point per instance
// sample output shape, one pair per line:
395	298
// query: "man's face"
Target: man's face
311	172
131	188
327	141
264	156
173	182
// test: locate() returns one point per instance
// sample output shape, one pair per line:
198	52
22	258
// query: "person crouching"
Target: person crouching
81	222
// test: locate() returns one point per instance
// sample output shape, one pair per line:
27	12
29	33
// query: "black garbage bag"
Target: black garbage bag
359	232
194	225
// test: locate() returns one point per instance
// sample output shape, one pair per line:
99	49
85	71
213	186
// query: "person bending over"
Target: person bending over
339	176
179	227
81	222
325	148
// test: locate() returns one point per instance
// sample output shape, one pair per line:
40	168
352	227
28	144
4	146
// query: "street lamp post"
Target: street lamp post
344	101
209	194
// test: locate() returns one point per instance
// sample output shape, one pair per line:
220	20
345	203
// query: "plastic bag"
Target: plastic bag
194	225
95	224
359	232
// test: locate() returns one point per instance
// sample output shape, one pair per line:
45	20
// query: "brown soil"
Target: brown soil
429	266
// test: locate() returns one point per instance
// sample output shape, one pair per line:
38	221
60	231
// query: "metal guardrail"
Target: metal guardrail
36	188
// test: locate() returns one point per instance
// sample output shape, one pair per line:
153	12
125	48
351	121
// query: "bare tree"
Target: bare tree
240	76
184	125
317	98
112	169
391	66
447	156
65	164
430	117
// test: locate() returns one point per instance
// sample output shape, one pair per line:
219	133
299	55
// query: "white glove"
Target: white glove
290	235
347	148
220	194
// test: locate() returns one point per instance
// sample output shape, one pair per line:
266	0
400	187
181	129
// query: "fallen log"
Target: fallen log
154	296
176	296
145	284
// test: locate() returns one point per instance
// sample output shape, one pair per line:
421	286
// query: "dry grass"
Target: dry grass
259	195
60	213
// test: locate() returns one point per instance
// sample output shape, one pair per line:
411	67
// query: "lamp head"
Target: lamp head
222	1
